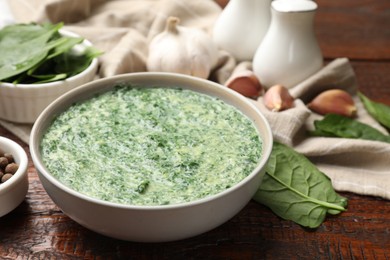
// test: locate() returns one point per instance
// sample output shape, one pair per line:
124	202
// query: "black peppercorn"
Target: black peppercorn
6	177
11	168
9	157
3	162
7	166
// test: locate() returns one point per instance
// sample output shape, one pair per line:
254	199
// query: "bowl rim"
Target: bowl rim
22	168
92	66
34	145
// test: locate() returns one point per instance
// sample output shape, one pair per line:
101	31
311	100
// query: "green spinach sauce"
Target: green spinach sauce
151	146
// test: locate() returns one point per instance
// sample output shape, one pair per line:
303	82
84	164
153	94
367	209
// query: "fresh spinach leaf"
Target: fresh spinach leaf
294	189
379	111
49	78
74	63
18	33
67	44
56	47
345	127
32	53
15	59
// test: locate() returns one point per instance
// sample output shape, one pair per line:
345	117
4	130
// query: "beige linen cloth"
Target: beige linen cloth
122	29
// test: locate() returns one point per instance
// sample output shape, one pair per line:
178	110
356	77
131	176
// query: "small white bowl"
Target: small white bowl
151	223
13	191
22	103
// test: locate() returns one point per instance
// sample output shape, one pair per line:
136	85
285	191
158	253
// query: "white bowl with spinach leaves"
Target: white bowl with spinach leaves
38	63
164	138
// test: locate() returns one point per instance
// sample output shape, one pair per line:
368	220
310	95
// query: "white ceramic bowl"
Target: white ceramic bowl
22	103
13	191
151	223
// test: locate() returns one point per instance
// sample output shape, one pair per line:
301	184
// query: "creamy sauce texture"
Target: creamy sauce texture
151	146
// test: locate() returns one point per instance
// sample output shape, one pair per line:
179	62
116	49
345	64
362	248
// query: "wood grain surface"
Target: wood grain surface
357	29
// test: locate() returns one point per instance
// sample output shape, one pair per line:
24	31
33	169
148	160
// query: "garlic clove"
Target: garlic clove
278	98
333	101
246	83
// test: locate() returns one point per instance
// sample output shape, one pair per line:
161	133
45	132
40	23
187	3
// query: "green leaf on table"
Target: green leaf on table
294	189
378	111
333	125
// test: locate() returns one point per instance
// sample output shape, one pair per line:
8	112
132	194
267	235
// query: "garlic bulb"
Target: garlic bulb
182	50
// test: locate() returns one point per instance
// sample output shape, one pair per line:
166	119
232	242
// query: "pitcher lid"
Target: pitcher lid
294	5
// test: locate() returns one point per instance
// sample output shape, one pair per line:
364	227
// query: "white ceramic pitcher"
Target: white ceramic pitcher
241	26
289	52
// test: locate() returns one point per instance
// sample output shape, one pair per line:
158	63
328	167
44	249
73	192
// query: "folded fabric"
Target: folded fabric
353	165
123	29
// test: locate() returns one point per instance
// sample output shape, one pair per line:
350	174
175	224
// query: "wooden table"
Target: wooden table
357	29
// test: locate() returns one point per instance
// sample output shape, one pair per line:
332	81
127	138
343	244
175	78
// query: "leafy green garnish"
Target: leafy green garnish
294	189
379	111
32	53
333	125
142	187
